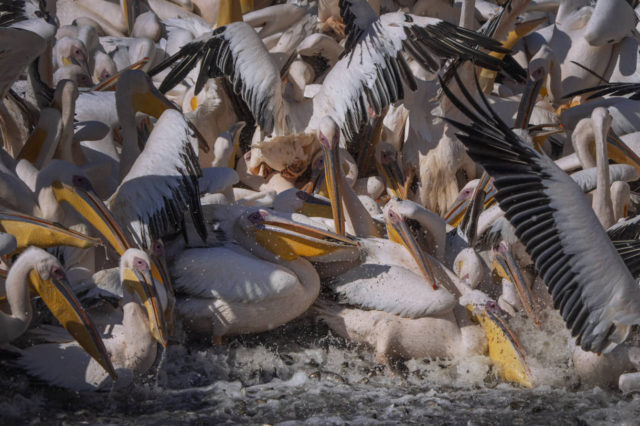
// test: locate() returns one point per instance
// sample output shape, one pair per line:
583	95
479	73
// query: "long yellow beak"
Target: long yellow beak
151	102
143	286
505	350
334	186
488	76
620	151
290	240
235	131
110	83
64	305
33	231
507	268
90	207
129	12
232	10
314	206
392	175
160	275
399	232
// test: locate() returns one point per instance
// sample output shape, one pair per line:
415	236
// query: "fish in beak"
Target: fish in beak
81	197
329	136
456	213
507	268
399	232
32	231
63	304
505	351
139	281
387	165
289	239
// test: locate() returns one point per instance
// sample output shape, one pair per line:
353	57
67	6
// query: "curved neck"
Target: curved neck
581	139
66	150
13	325
49	207
130	149
602	200
354	211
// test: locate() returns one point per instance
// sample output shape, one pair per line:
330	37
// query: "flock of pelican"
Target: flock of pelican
411	172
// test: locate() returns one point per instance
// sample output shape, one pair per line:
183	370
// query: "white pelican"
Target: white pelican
255	293
587	279
42	271
128	337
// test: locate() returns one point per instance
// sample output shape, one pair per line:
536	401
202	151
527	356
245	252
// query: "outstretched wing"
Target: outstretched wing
588	281
613	89
237	52
371	74
161	185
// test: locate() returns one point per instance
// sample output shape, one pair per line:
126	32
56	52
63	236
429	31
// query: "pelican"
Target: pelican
587	279
266	285
44	273
128	338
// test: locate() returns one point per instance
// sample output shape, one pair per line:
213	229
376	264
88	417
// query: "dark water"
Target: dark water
301	373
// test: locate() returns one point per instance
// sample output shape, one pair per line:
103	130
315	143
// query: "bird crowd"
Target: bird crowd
413	173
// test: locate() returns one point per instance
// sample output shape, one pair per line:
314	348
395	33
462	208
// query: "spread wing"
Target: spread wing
588	281
237	52
161	185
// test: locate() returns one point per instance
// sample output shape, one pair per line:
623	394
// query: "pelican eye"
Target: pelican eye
81	182
57	272
257	217
394	217
140	264
158	248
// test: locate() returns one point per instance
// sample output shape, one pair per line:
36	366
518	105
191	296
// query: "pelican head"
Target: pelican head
289	239
329	137
395	214
69	51
66	183
136	277
47	278
463	202
29	231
